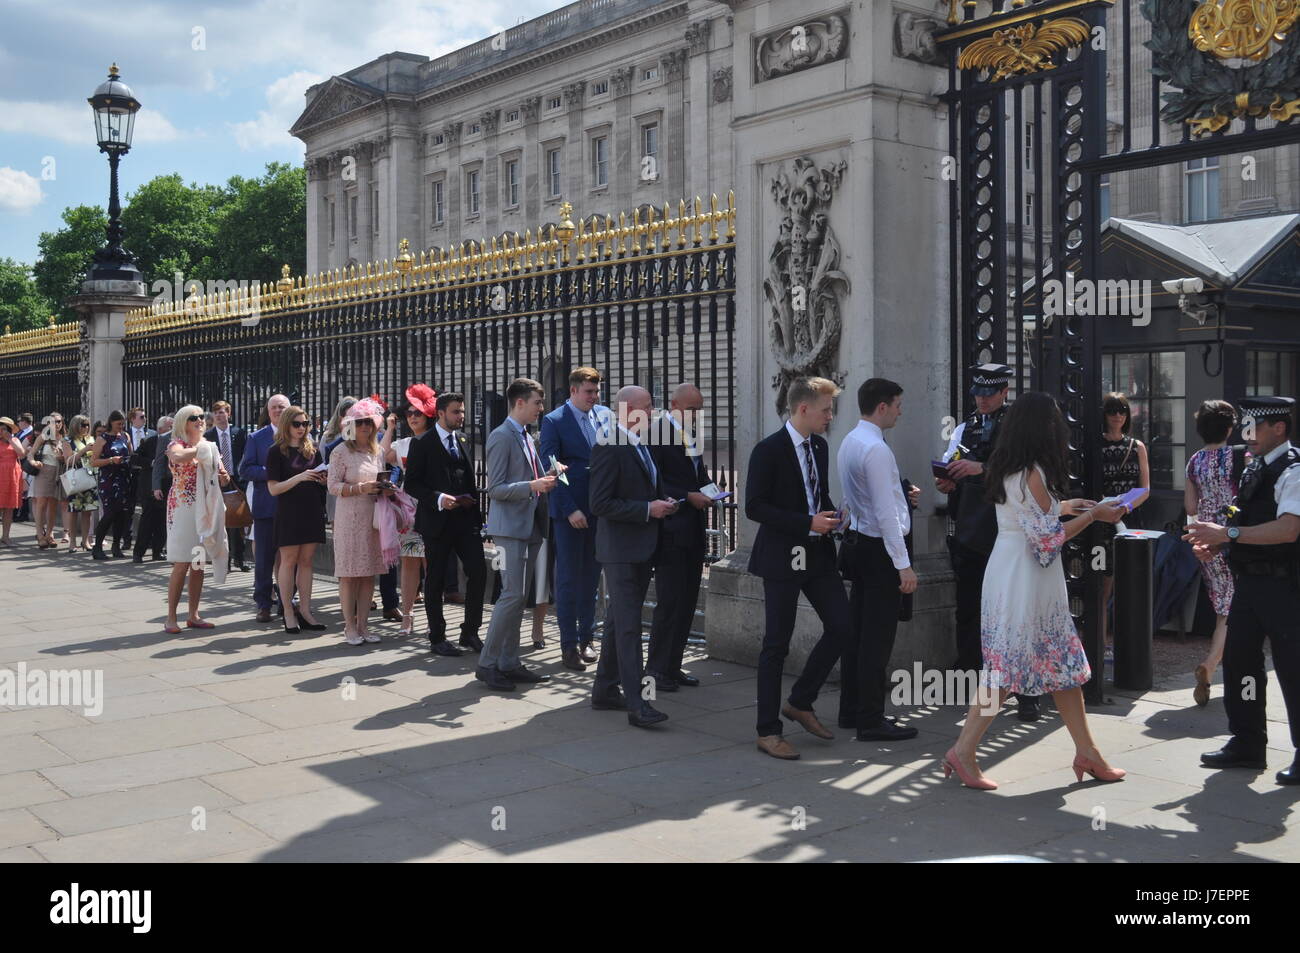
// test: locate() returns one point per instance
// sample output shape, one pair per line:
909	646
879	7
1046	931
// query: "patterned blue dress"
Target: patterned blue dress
114	482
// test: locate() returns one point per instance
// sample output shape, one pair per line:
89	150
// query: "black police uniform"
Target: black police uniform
972	531
1265	604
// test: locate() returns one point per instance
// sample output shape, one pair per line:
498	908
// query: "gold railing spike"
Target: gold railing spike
713	218
697	219
622	233
731	214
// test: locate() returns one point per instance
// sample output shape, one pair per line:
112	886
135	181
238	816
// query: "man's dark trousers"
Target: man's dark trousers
874	601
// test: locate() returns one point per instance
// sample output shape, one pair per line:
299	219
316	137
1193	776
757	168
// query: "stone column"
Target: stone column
455	214
627	150
103	306
673	141
844	149
365	155
316	176
575	186
534	161
490	224
342	241
699	177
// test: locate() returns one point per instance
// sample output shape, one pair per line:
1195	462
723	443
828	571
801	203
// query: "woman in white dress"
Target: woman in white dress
192	460
1028	637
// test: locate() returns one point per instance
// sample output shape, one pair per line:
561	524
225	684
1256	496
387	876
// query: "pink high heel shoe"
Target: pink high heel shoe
952	763
1082	764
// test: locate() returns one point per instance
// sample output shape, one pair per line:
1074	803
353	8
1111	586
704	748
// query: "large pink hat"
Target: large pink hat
367	407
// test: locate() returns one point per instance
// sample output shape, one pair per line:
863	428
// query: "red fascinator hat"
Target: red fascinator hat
424	399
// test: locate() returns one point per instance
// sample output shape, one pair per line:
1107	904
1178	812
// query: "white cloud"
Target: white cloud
19	192
270	130
75	125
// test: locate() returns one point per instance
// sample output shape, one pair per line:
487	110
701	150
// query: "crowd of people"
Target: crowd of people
585	489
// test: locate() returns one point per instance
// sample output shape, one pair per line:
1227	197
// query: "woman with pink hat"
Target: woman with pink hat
420	412
354	479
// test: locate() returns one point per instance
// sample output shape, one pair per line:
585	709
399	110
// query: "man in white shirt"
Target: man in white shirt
875	558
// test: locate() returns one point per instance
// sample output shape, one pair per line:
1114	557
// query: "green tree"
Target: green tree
171	227
65	255
22	306
263	225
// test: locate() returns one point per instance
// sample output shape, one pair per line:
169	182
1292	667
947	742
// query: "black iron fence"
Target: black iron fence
38	371
650	302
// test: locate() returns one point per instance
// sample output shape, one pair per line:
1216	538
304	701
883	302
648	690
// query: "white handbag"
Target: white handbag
77	480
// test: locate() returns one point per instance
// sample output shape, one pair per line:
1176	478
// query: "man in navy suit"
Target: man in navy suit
252	468
568	434
231	442
787	494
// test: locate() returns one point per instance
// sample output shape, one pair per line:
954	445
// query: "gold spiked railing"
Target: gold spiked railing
53	335
563	246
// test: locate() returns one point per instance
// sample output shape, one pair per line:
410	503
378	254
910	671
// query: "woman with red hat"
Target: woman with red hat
420	411
354	470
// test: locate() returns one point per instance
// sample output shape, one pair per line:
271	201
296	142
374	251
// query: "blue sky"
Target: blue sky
220	84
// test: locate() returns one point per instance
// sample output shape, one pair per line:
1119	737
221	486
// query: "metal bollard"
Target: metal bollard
1134	558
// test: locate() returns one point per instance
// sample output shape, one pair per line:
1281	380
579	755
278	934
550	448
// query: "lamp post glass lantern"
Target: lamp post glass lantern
115	107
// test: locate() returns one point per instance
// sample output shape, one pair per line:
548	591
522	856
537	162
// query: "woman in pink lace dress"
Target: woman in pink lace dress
354	469
1210	488
1028	638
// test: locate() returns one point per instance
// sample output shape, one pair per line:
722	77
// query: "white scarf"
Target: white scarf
210	508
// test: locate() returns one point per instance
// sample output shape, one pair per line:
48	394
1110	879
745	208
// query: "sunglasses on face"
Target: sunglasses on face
194	418
298	423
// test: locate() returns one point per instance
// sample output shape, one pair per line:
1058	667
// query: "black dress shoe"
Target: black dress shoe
445	648
572	660
1027	708
1290	775
525	675
137	559
241	567
494	679
613	702
159	557
662	683
587	653
681	678
471	642
886	731
1228	757
645	716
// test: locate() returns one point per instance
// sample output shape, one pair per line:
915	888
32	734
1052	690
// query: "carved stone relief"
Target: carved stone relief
801	47
722	84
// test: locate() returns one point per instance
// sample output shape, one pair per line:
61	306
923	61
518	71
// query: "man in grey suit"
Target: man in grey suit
625	491
517	484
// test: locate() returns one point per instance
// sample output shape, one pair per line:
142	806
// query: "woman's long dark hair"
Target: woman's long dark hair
1032	432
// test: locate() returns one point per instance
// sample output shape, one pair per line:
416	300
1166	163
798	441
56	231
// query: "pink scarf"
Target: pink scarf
393	516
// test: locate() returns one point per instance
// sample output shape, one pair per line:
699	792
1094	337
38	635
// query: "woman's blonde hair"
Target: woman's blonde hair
181	420
282	433
335	426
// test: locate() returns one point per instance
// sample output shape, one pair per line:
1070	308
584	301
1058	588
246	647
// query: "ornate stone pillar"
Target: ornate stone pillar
102	306
533	160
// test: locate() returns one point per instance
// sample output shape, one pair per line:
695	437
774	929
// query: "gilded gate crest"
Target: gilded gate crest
1228	59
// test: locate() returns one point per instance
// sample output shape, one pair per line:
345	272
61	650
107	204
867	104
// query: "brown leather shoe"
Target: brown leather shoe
453	597
586	653
573	661
777	747
807	720
263	615
393	615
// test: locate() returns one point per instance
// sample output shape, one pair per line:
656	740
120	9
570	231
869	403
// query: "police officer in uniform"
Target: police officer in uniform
972	522
1262	533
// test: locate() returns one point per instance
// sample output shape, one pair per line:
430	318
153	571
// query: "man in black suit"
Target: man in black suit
151	493
138	431
440	477
786	493
679	562
626	494
230	441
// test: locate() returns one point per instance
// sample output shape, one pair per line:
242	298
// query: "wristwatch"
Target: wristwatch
1234	532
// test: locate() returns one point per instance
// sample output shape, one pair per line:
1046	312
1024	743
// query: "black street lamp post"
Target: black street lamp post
115	107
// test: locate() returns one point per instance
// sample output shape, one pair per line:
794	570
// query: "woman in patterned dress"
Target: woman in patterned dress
1211	487
1027	634
82	505
183	543
110	456
354	470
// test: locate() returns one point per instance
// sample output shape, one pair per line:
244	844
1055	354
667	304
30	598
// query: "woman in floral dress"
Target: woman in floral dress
82	505
355	465
1027	634
188	454
109	457
1210	488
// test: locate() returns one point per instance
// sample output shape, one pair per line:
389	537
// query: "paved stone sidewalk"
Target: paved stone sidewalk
250	735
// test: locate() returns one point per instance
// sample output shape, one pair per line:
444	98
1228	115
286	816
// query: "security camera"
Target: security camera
1184	286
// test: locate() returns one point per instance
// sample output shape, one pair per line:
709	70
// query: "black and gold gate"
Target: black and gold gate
1049	98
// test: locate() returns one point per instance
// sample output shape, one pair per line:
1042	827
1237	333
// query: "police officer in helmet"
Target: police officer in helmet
1262	533
972	522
